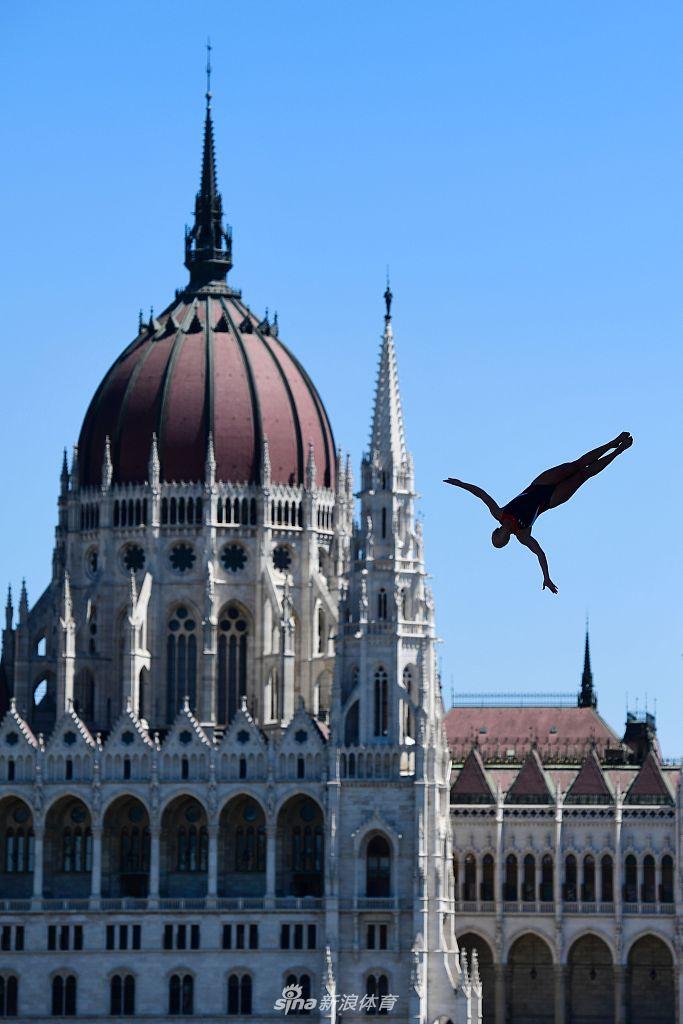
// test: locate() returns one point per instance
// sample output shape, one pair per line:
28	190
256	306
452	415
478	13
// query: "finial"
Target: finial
107	467
154	466
133	590
186	702
140	322
310	468
275	326
208	74
265	464
210	462
74	468
388	297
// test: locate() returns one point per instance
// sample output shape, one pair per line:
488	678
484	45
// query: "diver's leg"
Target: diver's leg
567	470
568	487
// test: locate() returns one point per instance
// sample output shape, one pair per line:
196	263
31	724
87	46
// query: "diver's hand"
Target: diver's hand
547	582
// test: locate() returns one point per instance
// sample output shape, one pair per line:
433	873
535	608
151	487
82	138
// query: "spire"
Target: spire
265	464
210	463
107	468
154	466
23	602
74	468
67	599
9	609
310	468
208	244
64	475
587	697
387	441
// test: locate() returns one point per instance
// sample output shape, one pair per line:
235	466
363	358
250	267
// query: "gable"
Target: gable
472	785
531	784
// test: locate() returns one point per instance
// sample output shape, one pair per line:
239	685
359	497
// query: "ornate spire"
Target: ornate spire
74	468
310	468
64	475
210	462
208	244
23	602
107	466
587	697
9	609
387	440
154	466
265	464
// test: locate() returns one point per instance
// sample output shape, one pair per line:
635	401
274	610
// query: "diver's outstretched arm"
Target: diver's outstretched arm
532	544
479	492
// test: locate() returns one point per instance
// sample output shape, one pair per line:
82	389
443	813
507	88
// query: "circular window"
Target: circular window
91	562
282	558
180	621
234	557
136	813
134	558
69	738
249	813
12	739
21	814
78	815
127	738
182	557
193	813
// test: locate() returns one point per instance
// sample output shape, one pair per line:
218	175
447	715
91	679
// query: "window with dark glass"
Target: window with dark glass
233	642
378	867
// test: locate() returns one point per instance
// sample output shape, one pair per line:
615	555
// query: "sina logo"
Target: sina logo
292	1000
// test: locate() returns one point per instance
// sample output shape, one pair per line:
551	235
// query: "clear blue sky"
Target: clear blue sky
518	165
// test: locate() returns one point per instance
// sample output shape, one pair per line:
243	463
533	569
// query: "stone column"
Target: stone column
96	872
619	980
560	994
499	975
38	842
271	861
212	890
154	851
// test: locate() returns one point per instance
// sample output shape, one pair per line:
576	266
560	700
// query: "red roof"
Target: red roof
649	783
531	783
568	733
207	365
472	785
589	782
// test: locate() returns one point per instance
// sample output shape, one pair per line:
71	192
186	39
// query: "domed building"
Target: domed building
229	788
224	766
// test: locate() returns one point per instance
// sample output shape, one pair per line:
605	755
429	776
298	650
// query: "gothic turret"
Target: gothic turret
588	698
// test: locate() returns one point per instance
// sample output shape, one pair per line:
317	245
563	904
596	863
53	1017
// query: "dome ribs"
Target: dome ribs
121	455
256	415
209	377
183	438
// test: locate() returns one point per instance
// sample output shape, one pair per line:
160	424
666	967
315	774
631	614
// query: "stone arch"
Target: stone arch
242	840
650	982
468	942
184	850
530	981
16	848
300	862
125	847
67	852
590	981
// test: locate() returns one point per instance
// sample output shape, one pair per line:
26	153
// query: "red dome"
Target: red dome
207	365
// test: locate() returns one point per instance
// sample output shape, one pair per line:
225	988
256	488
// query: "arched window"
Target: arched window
322	632
304	983
570	879
510	885
378	867
18	858
122	995
487	879
376	987
607	879
408	713
233	648
351	725
529	879
181	995
648	890
8	995
134	847
588	887
76	850
469	888
64	996
631	879
382	605
239	994
547	880
181	662
666	890
384	523
381	702
192	847
84	698
250	848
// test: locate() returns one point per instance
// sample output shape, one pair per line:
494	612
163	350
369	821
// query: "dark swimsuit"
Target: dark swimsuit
523	511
